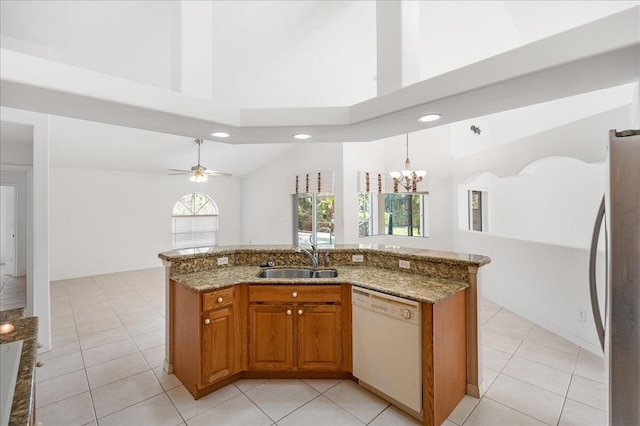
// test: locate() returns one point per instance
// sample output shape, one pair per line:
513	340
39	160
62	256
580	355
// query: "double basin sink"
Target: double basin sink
293	273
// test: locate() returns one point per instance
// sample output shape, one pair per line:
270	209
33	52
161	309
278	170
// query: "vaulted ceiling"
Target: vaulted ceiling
273	69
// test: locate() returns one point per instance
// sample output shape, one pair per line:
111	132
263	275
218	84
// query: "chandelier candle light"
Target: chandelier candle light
408	178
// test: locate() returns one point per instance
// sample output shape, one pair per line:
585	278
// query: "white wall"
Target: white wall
16	153
105	221
541	221
312	53
358	157
428	150
37	219
547	284
554	200
266	193
225	192
125	39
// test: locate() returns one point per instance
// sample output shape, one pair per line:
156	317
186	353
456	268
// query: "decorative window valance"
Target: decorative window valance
313	182
378	182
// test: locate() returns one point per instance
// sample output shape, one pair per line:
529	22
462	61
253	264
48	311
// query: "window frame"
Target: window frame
313	238
212	213
376	222
483	200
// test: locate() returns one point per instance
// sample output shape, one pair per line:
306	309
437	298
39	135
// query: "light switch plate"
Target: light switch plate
404	264
223	261
357	258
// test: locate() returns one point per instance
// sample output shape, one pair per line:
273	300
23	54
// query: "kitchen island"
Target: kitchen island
226	323
19	364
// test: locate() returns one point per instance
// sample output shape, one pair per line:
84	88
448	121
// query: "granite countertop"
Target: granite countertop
411	286
26	329
409	253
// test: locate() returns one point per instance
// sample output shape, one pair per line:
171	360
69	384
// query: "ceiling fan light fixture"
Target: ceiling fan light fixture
429	117
220	134
198	173
199	176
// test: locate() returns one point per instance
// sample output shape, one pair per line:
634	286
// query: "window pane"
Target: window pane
475	216
304	204
202	204
365	214
325	219
183	206
403	214
194	221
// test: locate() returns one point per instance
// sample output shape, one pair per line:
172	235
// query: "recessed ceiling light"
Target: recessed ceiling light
429	117
302	136
220	134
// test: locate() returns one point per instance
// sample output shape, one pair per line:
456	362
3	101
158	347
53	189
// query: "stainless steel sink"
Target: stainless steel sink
297	273
325	273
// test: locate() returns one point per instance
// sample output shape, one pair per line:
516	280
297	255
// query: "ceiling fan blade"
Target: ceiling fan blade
214	173
198	168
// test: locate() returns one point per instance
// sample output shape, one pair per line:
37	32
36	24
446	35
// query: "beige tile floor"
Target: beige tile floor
106	368
13	291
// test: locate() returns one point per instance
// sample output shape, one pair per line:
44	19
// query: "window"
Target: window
477	210
404	214
313	216
393	214
194	221
367	207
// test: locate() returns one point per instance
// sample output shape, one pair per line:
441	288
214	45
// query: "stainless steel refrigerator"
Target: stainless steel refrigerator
616	301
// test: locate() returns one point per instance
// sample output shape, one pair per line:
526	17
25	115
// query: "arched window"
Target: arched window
194	221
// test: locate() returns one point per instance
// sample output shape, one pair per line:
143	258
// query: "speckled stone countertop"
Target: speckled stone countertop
432	276
423	254
401	284
26	329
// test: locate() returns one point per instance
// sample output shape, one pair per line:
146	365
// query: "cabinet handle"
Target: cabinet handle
207	321
220	299
288	311
39	364
294	294
299	311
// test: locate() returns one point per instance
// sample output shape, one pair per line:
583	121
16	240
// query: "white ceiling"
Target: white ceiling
270	55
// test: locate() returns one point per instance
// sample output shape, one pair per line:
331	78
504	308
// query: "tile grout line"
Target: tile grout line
518	411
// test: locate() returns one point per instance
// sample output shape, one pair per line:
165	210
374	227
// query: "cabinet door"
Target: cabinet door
217	345
319	332
270	337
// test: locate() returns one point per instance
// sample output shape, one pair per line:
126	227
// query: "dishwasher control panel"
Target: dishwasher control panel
385	304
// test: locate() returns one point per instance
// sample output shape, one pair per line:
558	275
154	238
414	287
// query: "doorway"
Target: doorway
8	230
13	290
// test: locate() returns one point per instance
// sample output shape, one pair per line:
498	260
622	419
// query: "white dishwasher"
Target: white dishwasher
387	350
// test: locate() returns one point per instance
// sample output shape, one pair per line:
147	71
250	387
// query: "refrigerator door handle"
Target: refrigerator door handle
595	307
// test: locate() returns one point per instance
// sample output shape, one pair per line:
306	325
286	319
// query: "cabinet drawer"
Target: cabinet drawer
217	299
295	293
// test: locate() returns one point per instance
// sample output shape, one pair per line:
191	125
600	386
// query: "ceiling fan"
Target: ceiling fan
198	173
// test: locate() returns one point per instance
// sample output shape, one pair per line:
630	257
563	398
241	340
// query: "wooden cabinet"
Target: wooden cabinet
270	337
207	334
216	344
319	343
297	328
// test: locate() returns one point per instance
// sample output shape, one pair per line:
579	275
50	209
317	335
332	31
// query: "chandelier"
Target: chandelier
408	178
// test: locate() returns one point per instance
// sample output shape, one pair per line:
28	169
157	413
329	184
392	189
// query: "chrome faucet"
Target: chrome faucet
313	256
